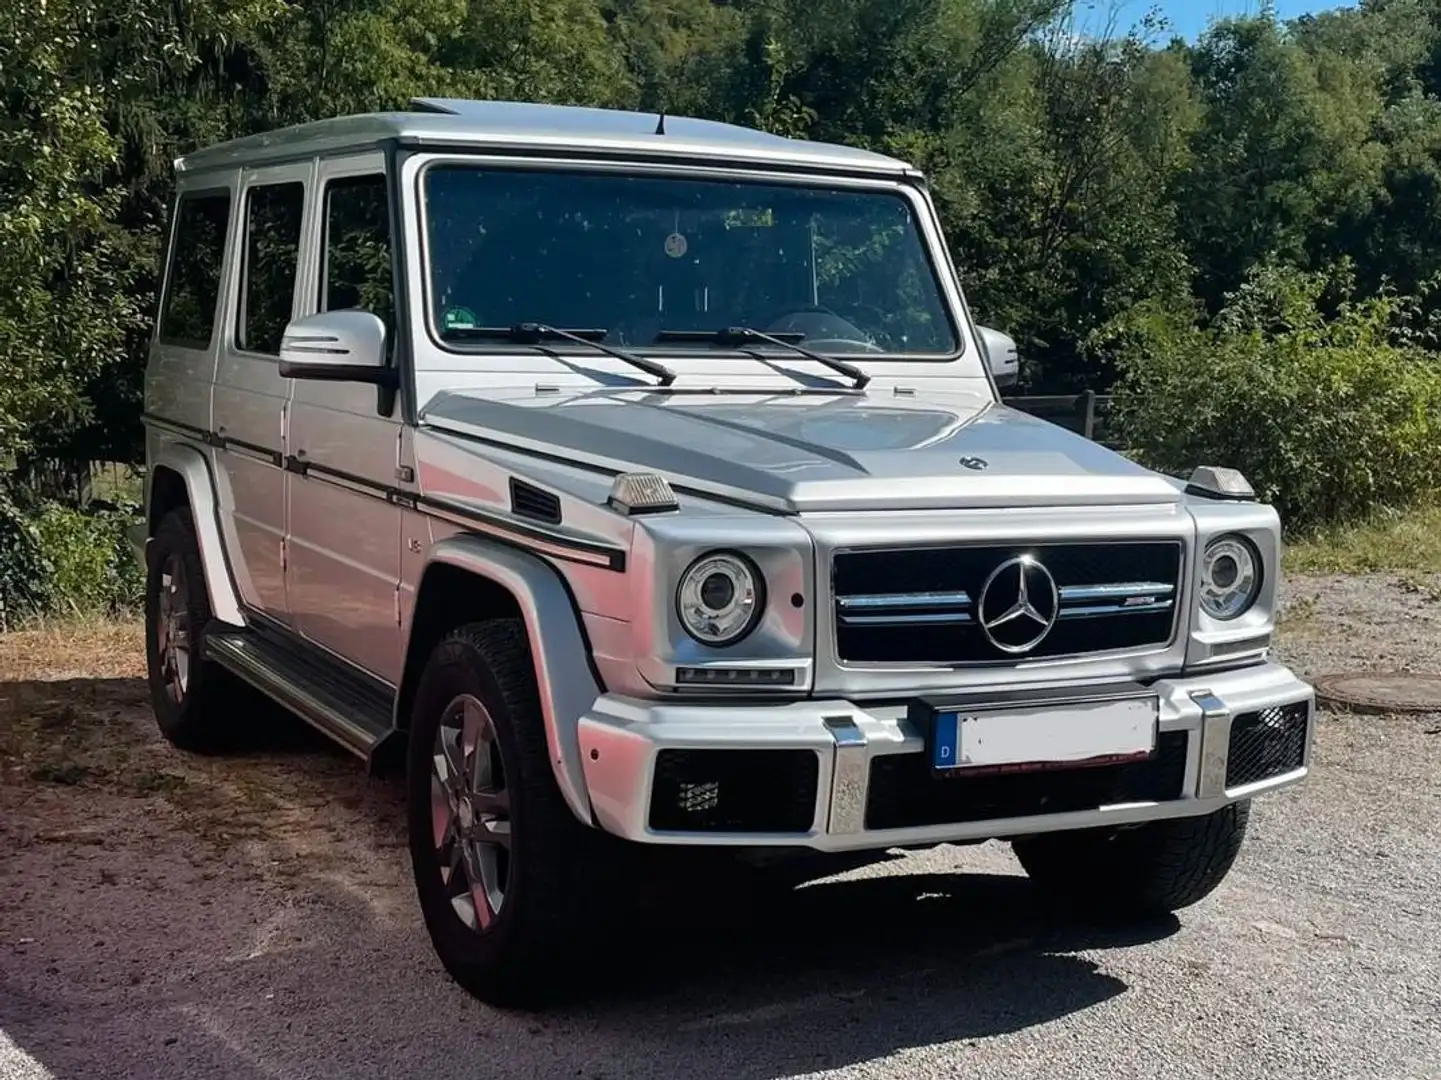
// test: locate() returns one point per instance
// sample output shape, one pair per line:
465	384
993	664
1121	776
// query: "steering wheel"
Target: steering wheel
823	344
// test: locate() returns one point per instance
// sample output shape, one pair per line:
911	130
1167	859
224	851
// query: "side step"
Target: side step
348	708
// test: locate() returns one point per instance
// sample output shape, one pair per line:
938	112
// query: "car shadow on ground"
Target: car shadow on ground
712	985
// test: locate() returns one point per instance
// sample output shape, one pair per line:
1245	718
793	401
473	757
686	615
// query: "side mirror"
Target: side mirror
337	346
1001	356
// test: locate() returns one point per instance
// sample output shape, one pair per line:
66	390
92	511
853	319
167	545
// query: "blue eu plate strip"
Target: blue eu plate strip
947	742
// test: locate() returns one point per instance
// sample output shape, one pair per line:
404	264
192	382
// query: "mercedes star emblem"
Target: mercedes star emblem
1019	605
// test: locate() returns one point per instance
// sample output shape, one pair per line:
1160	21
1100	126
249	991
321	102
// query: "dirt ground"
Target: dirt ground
251	915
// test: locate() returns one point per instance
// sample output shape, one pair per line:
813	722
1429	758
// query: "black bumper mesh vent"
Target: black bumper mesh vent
1267	743
747	791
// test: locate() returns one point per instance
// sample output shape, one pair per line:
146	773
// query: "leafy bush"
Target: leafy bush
94	569
26	575
58	560
1330	406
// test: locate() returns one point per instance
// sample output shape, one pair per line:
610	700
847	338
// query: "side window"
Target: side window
272	251
356	272
196	255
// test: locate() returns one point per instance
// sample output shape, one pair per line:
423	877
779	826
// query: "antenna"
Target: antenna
660	124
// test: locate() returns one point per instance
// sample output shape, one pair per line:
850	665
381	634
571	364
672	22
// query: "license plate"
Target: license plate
1071	735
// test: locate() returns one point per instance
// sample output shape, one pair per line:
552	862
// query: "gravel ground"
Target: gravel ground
252	916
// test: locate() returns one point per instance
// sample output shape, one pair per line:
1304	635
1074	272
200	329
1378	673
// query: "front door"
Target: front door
343	551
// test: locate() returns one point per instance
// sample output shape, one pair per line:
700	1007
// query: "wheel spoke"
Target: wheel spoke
495	832
491	803
452	864
480	897
442	820
450	763
475	742
465	908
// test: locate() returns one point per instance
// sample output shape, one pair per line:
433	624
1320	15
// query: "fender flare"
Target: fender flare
565	679
194	471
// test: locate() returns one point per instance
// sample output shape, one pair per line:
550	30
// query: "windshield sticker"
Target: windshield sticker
458	318
676	245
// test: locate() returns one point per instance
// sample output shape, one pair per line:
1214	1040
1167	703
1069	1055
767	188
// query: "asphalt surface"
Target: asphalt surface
255	920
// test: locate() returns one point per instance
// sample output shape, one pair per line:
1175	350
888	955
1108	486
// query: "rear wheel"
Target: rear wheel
1152	869
192	698
505	873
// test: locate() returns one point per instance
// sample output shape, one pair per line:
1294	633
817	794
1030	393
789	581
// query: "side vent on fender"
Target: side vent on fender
528	501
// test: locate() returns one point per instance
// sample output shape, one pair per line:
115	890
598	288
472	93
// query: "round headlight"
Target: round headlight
1230	577
720	598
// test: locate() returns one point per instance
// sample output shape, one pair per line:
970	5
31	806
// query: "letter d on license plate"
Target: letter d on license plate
1045	736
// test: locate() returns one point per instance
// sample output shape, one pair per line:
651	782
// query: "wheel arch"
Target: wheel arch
180	476
467	578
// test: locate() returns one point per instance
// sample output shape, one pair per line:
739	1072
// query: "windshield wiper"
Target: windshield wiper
740	335
537	333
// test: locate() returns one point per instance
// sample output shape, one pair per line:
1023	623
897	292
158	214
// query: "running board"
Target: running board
338	704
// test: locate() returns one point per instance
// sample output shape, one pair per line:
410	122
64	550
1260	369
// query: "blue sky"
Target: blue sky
1189	17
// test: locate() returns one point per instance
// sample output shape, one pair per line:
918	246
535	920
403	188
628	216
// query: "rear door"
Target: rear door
250	395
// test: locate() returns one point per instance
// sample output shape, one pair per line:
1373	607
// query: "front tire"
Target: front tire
1153	869
193	699
503	869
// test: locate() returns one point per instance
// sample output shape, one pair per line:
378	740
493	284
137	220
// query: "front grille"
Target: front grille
749	791
1267	743
924	605
904	793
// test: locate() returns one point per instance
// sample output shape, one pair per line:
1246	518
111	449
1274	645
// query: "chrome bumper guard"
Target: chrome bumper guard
620	739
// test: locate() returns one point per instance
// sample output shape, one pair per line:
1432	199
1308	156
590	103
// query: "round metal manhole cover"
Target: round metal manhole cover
1381	692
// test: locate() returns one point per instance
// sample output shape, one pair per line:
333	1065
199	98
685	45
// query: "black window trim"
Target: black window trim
247	187
397	337
167	287
322	278
482	161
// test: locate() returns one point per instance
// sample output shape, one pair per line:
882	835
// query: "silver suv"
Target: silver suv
642	485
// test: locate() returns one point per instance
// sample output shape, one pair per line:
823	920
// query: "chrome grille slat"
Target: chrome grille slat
1099	611
937	618
1121	589
904	600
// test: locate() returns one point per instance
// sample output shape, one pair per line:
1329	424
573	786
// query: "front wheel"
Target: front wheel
194	700
1152	869
503	870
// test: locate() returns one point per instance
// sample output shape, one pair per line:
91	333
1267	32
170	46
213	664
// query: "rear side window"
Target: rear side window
201	224
357	272
272	251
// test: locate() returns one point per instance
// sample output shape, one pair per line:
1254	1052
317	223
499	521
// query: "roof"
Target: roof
507	125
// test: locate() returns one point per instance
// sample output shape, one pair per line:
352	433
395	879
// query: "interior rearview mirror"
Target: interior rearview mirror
337	346
1001	356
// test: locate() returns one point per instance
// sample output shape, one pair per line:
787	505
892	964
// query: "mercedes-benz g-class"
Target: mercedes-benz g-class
643	483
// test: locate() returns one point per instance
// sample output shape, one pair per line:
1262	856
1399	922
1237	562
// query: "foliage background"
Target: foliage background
1241	235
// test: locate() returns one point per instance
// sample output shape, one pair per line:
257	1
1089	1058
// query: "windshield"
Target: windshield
839	270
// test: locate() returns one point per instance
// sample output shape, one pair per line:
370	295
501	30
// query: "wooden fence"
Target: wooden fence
1084	413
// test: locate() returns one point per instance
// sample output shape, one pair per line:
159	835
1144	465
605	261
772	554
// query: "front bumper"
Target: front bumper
622	741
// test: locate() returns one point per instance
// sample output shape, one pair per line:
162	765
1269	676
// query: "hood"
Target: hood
803	453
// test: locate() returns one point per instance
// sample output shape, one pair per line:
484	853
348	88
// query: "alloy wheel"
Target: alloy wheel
172	628
470	812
